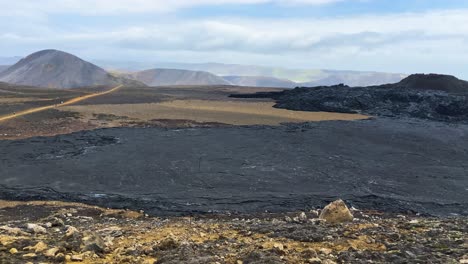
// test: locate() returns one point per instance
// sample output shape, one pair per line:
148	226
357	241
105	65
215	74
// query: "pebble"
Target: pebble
60	257
37	229
13	251
71	231
13	231
77	257
325	251
29	255
278	246
302	217
314	261
39	247
51	252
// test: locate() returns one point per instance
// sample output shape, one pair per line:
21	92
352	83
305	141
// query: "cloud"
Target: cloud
118	7
425	41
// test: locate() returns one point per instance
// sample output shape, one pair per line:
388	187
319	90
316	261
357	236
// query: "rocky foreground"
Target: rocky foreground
53	232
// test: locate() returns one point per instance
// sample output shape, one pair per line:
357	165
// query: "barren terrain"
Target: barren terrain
195	176
173	107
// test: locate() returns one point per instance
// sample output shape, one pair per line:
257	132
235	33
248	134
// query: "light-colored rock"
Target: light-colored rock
314	261
13	251
278	246
51	252
336	212
39	247
36	229
325	251
314	213
30	255
13	231
71	231
302	217
77	257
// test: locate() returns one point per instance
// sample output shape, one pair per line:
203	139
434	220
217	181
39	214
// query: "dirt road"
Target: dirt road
69	102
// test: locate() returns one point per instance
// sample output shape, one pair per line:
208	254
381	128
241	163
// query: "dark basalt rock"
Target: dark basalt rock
432	97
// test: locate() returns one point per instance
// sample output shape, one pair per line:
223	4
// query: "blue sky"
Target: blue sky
382	35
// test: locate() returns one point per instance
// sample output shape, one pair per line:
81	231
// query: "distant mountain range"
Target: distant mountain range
57	69
163	77
300	77
9	60
4	67
260	81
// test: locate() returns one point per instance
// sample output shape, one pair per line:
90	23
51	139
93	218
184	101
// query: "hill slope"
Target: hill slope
438	82
260	81
57	69
4	67
162	77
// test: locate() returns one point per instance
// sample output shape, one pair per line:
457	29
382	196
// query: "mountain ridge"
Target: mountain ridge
163	77
302	77
57	69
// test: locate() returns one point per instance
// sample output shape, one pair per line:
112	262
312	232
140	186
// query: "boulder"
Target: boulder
336	212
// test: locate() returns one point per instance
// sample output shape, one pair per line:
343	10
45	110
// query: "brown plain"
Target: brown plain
227	112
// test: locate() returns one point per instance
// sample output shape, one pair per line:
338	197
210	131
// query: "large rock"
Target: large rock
336	212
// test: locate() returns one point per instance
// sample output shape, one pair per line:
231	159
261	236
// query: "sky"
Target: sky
402	36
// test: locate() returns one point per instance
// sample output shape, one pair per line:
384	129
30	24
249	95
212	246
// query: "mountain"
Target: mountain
4	67
163	77
355	78
438	82
304	77
260	81
57	69
9	60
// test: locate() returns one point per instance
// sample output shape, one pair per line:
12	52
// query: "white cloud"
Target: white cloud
99	7
427	41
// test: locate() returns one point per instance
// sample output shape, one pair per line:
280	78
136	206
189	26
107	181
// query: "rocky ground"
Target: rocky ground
54	232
